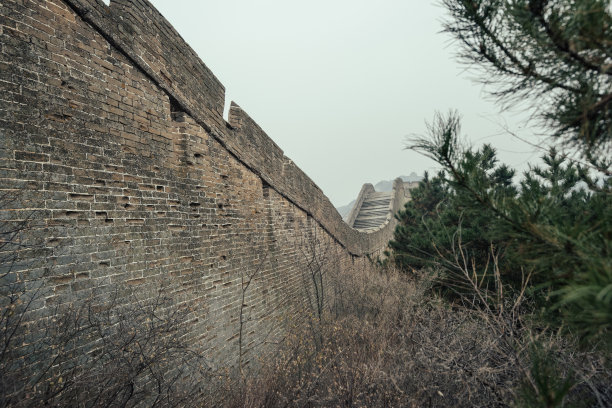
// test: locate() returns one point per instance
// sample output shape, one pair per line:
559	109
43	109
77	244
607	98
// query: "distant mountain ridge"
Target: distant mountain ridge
381	186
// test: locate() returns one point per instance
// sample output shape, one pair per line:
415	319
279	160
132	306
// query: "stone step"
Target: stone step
381	203
373	211
364	225
380	195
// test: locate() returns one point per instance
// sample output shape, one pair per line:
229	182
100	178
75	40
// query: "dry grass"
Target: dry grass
385	341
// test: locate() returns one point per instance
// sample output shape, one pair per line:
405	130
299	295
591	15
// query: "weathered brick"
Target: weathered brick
123	189
29	156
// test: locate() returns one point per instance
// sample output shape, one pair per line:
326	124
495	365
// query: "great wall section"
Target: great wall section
126	178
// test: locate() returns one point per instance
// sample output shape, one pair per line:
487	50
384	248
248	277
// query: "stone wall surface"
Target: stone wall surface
113	141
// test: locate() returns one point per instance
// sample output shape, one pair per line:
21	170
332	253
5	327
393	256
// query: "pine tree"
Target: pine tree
558	223
555	54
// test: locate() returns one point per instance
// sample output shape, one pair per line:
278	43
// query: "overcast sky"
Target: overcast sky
340	84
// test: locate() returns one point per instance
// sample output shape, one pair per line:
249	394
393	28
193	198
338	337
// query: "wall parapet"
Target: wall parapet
365	189
137	29
381	235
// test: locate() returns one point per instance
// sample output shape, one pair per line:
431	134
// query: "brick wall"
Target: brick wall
116	157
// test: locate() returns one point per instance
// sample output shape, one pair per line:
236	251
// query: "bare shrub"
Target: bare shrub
115	347
22	272
112	349
386	341
555	369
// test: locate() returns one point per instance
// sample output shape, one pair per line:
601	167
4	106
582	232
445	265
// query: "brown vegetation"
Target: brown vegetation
387	341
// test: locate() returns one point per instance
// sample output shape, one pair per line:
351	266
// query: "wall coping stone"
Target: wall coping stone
150	42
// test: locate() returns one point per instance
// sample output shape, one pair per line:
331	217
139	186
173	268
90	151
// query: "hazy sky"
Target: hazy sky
340	84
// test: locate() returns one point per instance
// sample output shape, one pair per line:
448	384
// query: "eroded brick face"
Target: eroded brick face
114	152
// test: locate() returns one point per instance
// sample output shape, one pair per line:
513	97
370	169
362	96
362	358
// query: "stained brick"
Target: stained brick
29	156
128	190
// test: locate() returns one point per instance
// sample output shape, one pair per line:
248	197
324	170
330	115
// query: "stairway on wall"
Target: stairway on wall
373	211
